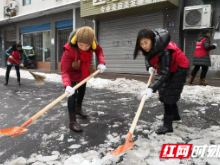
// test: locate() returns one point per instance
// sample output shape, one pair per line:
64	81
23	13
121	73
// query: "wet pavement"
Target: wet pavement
50	132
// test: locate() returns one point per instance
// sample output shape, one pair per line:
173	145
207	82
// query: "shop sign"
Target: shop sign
115	5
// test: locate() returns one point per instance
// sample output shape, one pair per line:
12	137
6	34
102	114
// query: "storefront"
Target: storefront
38	37
118	23
49	37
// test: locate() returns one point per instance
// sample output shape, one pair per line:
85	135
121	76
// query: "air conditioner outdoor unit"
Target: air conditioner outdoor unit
13	4
197	17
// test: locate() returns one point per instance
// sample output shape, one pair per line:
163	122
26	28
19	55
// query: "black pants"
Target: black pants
17	68
170	109
203	73
77	98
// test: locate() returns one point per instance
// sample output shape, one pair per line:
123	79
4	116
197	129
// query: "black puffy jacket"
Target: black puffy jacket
170	85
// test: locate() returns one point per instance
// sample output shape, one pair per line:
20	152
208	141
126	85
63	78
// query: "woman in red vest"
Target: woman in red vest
202	56
16	59
164	57
75	66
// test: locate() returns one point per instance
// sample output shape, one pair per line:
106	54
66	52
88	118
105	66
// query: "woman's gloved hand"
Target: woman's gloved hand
101	67
151	70
69	90
148	92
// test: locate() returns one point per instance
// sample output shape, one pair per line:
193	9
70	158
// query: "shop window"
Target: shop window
26	2
40	41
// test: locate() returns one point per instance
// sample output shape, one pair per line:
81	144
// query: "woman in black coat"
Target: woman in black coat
165	58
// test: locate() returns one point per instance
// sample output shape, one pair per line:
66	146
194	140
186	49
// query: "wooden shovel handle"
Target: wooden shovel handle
19	64
134	123
52	104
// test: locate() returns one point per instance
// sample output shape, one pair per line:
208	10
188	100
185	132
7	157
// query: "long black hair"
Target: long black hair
15	46
144	33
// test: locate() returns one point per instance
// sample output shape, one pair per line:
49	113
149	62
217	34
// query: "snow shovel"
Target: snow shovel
14	131
127	146
38	78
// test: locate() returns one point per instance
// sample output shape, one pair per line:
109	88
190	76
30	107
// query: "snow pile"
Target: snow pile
121	85
194	94
148	147
145	152
201	94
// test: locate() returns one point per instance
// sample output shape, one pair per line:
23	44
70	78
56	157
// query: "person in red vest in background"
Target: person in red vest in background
75	67
164	57
16	58
202	56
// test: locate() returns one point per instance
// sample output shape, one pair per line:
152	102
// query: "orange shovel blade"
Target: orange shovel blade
125	147
13	131
122	149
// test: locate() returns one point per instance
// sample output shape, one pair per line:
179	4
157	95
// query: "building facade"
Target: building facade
46	25
118	22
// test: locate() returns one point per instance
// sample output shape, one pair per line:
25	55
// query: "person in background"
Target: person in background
15	58
75	66
202	56
164	57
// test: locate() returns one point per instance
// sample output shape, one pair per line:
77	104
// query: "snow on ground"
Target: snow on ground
148	146
145	152
193	94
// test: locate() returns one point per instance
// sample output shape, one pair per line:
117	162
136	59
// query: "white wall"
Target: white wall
36	5
2	9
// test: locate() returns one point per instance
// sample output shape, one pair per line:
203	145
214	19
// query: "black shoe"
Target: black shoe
5	83
163	130
167	125
19	83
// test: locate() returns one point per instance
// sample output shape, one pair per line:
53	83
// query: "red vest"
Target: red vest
178	59
84	60
16	56
200	50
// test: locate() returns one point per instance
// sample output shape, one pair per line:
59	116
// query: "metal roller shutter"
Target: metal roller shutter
118	38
